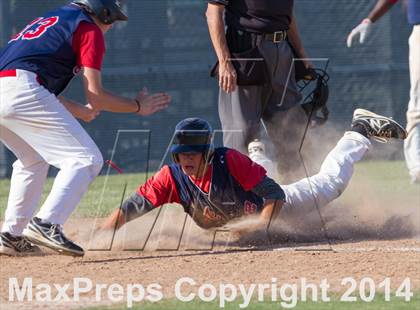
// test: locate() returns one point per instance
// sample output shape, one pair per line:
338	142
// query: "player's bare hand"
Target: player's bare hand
88	114
142	94
305	59
150	104
242	232
308	64
227	77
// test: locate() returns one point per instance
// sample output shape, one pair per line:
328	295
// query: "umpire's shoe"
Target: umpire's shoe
378	127
51	236
17	246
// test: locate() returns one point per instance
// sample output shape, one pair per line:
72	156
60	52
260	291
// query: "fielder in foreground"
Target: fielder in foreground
217	185
39	126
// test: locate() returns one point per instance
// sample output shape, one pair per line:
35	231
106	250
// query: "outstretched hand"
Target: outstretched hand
150	104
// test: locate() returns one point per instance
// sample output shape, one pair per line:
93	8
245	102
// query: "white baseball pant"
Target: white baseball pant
39	130
412	143
330	182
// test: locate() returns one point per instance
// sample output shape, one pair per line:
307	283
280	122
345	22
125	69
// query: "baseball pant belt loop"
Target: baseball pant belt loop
8	73
12	73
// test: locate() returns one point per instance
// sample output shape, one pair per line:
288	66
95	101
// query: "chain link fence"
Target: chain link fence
165	46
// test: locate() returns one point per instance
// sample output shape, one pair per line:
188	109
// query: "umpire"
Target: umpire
255	42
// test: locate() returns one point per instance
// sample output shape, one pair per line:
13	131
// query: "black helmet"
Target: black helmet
108	11
315	90
192	135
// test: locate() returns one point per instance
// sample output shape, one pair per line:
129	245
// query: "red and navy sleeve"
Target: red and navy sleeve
89	45
160	188
157	191
246	172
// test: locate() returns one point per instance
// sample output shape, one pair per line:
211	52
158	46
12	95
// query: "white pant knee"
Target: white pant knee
335	173
70	185
96	163
91	163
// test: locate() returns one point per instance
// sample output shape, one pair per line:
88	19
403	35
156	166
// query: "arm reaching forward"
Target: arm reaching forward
157	191
133	207
101	99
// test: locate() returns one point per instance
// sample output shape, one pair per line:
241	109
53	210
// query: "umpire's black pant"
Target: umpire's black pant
249	111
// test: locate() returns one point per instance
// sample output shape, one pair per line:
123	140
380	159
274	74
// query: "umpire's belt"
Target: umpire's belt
275	37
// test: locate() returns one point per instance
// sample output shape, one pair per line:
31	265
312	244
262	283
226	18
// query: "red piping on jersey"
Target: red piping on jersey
12	73
7	73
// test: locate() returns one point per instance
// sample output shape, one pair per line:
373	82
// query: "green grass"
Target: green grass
377	304
386	180
100	199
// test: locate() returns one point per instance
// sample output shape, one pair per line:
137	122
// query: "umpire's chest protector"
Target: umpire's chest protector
45	48
225	201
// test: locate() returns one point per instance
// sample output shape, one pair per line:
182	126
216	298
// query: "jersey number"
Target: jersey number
42	25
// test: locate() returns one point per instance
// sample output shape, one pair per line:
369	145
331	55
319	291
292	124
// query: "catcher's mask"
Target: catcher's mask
192	135
314	89
107	11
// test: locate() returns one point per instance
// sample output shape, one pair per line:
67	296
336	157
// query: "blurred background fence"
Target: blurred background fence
165	46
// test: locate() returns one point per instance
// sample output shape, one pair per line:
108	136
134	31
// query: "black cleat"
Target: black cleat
17	246
51	236
378	127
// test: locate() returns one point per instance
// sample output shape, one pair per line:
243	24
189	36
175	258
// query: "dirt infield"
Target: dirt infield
371	231
286	260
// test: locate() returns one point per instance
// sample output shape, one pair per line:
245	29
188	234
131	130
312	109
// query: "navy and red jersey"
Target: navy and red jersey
55	46
222	194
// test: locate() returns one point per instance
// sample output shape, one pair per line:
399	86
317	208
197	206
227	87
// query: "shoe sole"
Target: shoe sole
363	112
39	239
11	252
5	250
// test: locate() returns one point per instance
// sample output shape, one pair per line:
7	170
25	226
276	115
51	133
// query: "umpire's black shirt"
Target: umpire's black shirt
264	16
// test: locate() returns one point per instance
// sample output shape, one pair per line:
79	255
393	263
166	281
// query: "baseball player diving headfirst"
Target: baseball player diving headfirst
39	125
217	185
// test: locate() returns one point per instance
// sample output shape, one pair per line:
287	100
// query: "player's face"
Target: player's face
192	163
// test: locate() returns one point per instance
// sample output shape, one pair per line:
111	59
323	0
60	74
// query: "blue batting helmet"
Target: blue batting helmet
192	135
